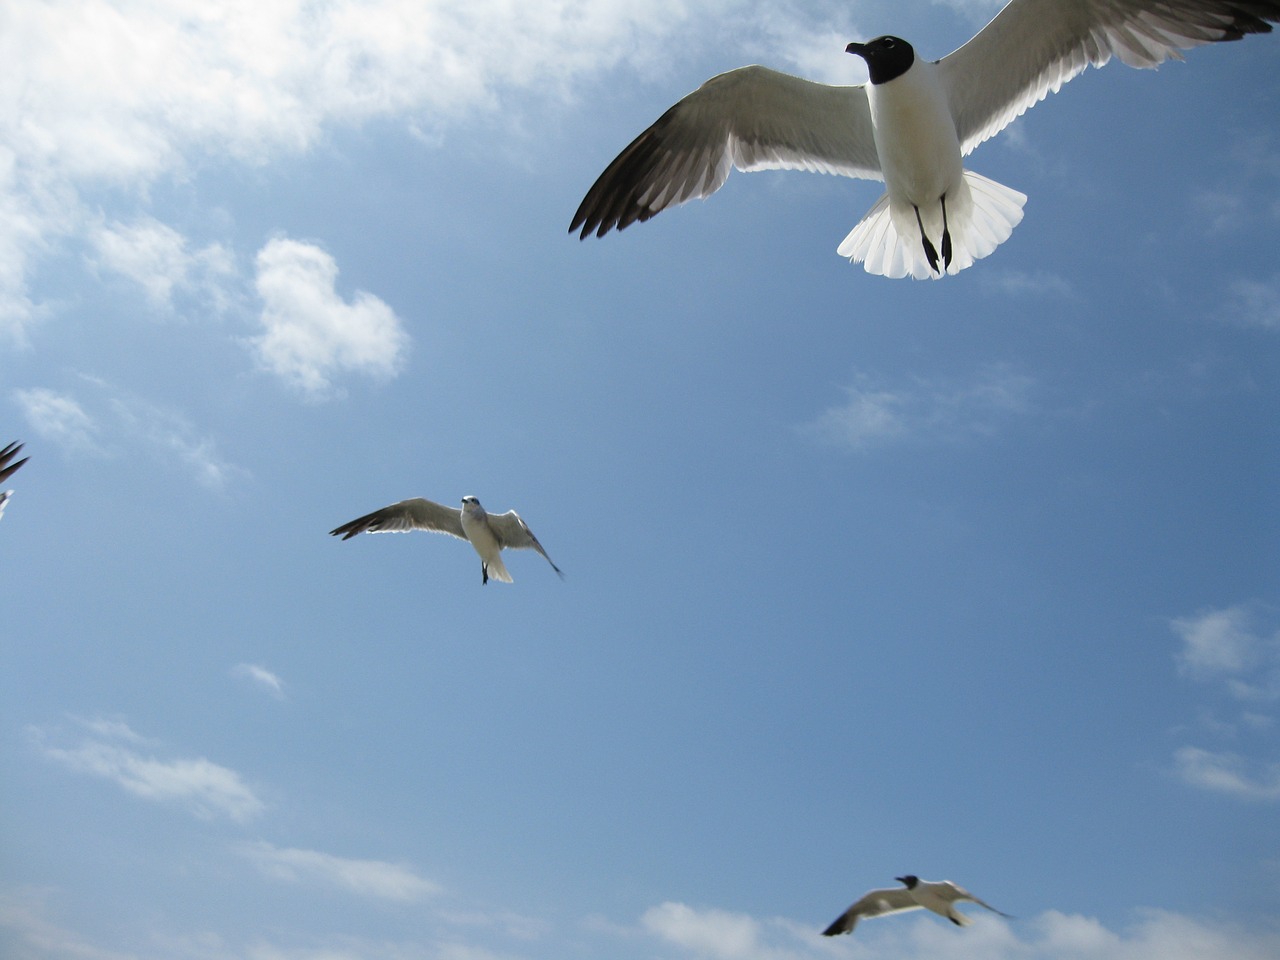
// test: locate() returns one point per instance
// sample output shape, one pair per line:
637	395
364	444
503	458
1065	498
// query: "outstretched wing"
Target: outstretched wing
415	514
953	892
513	532
1033	47
7	454
872	904
752	118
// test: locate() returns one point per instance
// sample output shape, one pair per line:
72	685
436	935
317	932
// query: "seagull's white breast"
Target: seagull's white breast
475	524
915	136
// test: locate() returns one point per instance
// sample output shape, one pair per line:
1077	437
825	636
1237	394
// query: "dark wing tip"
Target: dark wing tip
842	924
613	202
1251	17
8	471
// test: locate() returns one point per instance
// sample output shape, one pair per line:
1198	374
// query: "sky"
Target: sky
974	579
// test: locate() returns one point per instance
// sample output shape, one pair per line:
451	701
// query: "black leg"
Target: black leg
946	235
930	253
484	573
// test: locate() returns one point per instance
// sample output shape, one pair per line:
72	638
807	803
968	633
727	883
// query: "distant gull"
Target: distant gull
488	533
7	470
910	126
939	897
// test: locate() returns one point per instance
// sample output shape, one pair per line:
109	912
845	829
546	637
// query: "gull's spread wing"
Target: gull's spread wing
752	118
1033	47
415	514
872	904
513	532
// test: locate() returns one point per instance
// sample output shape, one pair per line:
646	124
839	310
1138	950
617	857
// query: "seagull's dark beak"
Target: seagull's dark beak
857	48
901	880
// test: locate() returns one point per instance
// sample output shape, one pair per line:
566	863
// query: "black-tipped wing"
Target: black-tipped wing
513	532
752	118
872	904
1033	47
8	453
415	514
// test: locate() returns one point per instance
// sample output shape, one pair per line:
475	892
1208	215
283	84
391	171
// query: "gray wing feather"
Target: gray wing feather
752	118
414	514
1033	47
513	532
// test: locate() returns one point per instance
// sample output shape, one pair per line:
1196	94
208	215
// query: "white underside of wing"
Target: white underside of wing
1032	47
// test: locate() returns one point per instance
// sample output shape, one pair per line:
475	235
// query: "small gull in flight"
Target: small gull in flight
910	126
7	470
488	533
939	897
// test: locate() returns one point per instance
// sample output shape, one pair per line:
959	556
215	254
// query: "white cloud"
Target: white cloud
875	414
1229	773
57	417
157	258
34	936
367	878
311	332
132	423
1157	935
715	933
1037	283
1216	642
1152	935
261	676
205	788
121	93
1223	647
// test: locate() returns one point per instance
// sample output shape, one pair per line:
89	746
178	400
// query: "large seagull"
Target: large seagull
910	126
940	897
488	533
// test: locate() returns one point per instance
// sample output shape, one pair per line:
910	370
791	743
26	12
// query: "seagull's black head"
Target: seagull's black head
910	880
470	500
887	57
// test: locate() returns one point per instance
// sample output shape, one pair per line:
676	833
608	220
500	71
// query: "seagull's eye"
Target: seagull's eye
888	42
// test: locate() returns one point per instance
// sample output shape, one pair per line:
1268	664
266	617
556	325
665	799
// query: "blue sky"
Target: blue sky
972	579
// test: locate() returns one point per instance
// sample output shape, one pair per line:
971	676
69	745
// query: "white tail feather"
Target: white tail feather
980	216
498	570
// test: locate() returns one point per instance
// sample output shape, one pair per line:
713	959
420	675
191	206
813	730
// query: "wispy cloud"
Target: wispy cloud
158	259
112	751
706	933
875	414
1229	773
366	878
1150	935
311	333
1021	283
1156	935
1224	648
1225	645
59	418
261	677
132	423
